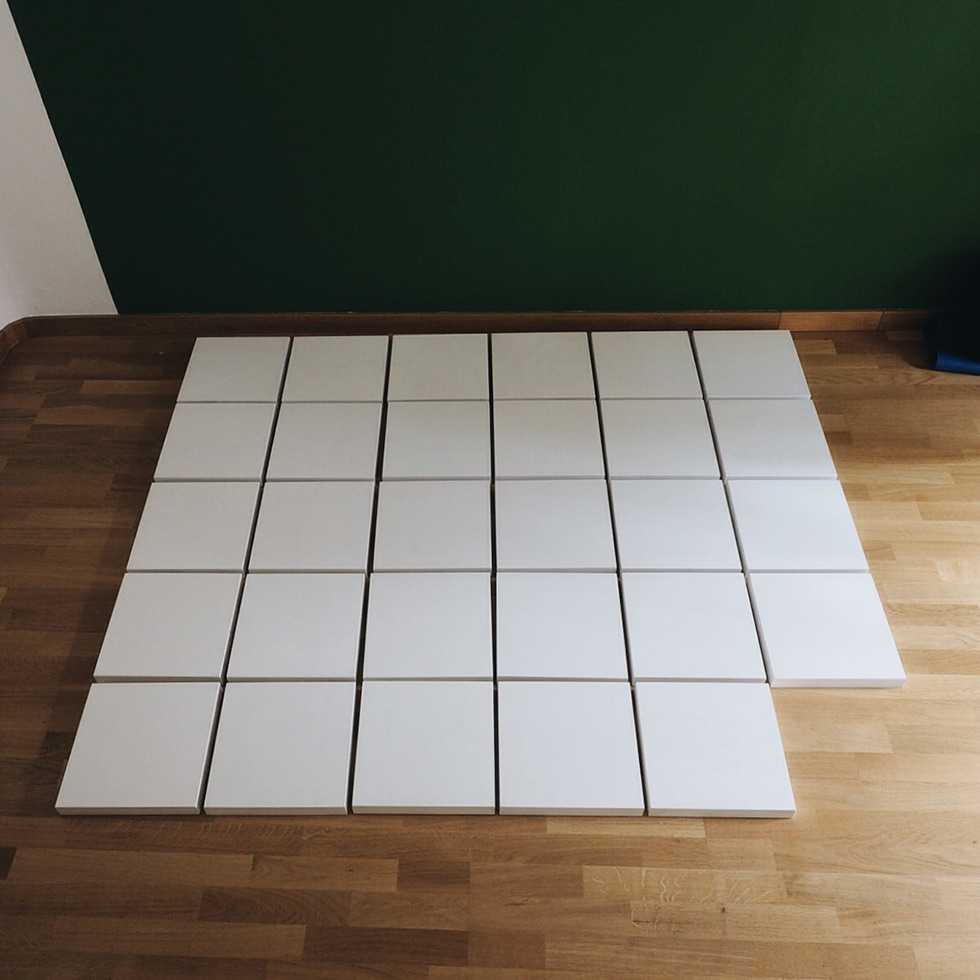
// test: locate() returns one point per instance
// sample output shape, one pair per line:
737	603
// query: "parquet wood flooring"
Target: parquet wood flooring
877	876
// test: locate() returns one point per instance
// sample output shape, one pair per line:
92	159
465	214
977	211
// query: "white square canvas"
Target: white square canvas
336	369
674	525
645	364
282	748
425	747
201	527
825	630
561	625
561	525
140	749
568	748
313	527
429	625
658	438
234	369
691	626
547	438
760	438
169	626
450	367
542	365
326	441
749	364
220	441
439	525
298	627
437	440
795	525
712	750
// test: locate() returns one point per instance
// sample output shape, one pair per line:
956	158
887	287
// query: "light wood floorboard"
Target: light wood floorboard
877	876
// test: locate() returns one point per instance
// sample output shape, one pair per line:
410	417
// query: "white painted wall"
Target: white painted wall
47	261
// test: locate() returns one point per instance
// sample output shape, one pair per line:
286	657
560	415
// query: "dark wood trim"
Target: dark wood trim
801	320
230	324
198	324
905	319
10	336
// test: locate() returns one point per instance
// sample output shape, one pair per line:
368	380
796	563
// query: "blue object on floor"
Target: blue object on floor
954	343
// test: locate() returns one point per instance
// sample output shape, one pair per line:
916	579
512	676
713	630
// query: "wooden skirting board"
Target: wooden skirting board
10	336
217	324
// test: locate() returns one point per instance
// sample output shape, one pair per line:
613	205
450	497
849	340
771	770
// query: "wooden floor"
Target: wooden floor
877	876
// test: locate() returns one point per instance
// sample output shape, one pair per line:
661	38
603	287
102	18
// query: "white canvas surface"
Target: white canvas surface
234	369
449	367
336	369
795	525
170	626
645	364
749	364
568	747
140	749
429	625
298	627
825	630
202	527
542	365
326	441
771	437
437	440
691	626
223	441
658	438
281	749
425	747
439	525
559	625
712	750
313	527
561	525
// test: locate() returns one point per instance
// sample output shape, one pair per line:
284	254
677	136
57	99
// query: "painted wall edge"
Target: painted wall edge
48	263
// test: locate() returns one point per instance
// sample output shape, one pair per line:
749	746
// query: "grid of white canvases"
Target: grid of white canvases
522	573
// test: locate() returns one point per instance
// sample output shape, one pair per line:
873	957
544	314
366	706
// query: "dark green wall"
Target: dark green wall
240	155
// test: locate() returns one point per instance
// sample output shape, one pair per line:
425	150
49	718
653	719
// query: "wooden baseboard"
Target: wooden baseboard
230	324
10	336
830	320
